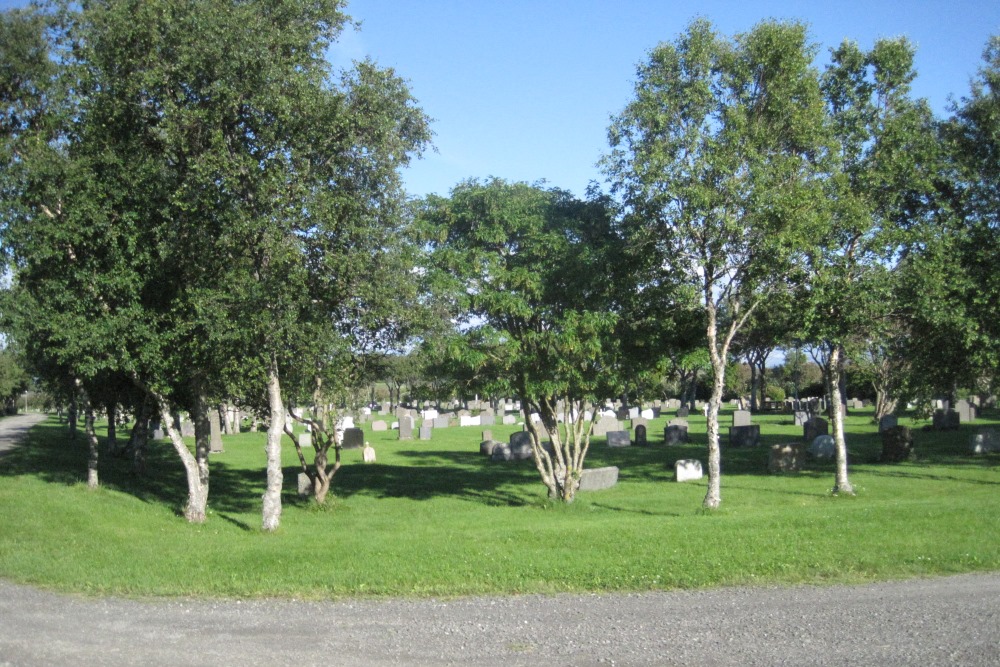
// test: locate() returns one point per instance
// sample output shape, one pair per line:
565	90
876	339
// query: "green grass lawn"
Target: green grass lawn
437	519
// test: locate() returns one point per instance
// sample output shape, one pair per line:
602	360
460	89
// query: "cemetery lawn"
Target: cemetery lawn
438	519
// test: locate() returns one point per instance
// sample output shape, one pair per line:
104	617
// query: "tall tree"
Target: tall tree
527	266
882	177
715	161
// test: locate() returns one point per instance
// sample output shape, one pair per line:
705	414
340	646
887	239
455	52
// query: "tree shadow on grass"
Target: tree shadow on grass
49	454
439	473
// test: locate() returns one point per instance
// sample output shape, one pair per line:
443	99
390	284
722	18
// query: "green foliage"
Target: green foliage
774	393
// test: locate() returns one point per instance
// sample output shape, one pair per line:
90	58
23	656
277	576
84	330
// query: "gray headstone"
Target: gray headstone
814	427
215	432
741	418
425	432
509	420
158	434
379	426
675	434
487	435
639	421
887	422
618	439
801	417
486	419
744	436
353	438
187	429
966	413
605	424
945	420
823	447
305	485
640	435
683	412
305	440
486	447
595	479
441	421
406	428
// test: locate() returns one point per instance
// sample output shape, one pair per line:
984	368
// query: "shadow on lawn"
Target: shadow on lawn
50	455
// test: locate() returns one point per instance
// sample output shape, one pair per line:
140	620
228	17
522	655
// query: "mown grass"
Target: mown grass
436	519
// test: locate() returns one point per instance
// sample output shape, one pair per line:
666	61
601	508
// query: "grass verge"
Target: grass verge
437	519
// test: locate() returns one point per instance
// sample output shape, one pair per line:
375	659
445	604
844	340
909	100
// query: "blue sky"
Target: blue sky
524	90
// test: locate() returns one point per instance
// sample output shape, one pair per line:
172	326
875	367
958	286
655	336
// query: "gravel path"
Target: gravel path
14	427
943	621
946	621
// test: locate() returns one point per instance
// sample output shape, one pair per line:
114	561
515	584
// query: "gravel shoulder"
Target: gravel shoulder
940	621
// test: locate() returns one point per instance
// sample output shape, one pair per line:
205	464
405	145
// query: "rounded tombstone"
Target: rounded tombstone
823	447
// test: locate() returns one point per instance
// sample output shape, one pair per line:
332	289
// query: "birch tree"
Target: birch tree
716	162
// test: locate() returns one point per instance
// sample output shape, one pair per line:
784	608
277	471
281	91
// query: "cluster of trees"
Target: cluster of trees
196	208
756	202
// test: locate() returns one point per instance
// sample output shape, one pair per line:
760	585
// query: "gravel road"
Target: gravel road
945	621
941	621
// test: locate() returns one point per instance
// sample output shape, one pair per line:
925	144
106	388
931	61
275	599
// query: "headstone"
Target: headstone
425	432
369	453
814	427
887	422
785	458
466	420
801	417
618	439
648	414
985	441
379	425
823	447
741	418
487	435
487	418
744	436
966	413
158	434
639	421
305	485
605	424
687	470
683	412
675	434
406	428
305	440
509	420
596	479
187	429
486	447
353	438
897	445
215	432
945	420
640	436
441	421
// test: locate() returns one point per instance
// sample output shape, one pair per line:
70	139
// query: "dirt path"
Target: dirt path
945	621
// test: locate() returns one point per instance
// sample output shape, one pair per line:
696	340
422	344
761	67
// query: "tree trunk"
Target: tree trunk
713	496
92	444
195	465
112	446
271	518
72	413
842	483
753	387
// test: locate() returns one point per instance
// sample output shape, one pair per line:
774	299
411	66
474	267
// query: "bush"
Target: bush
774	393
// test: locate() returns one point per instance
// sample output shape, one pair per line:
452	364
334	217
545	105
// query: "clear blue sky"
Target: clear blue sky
524	89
